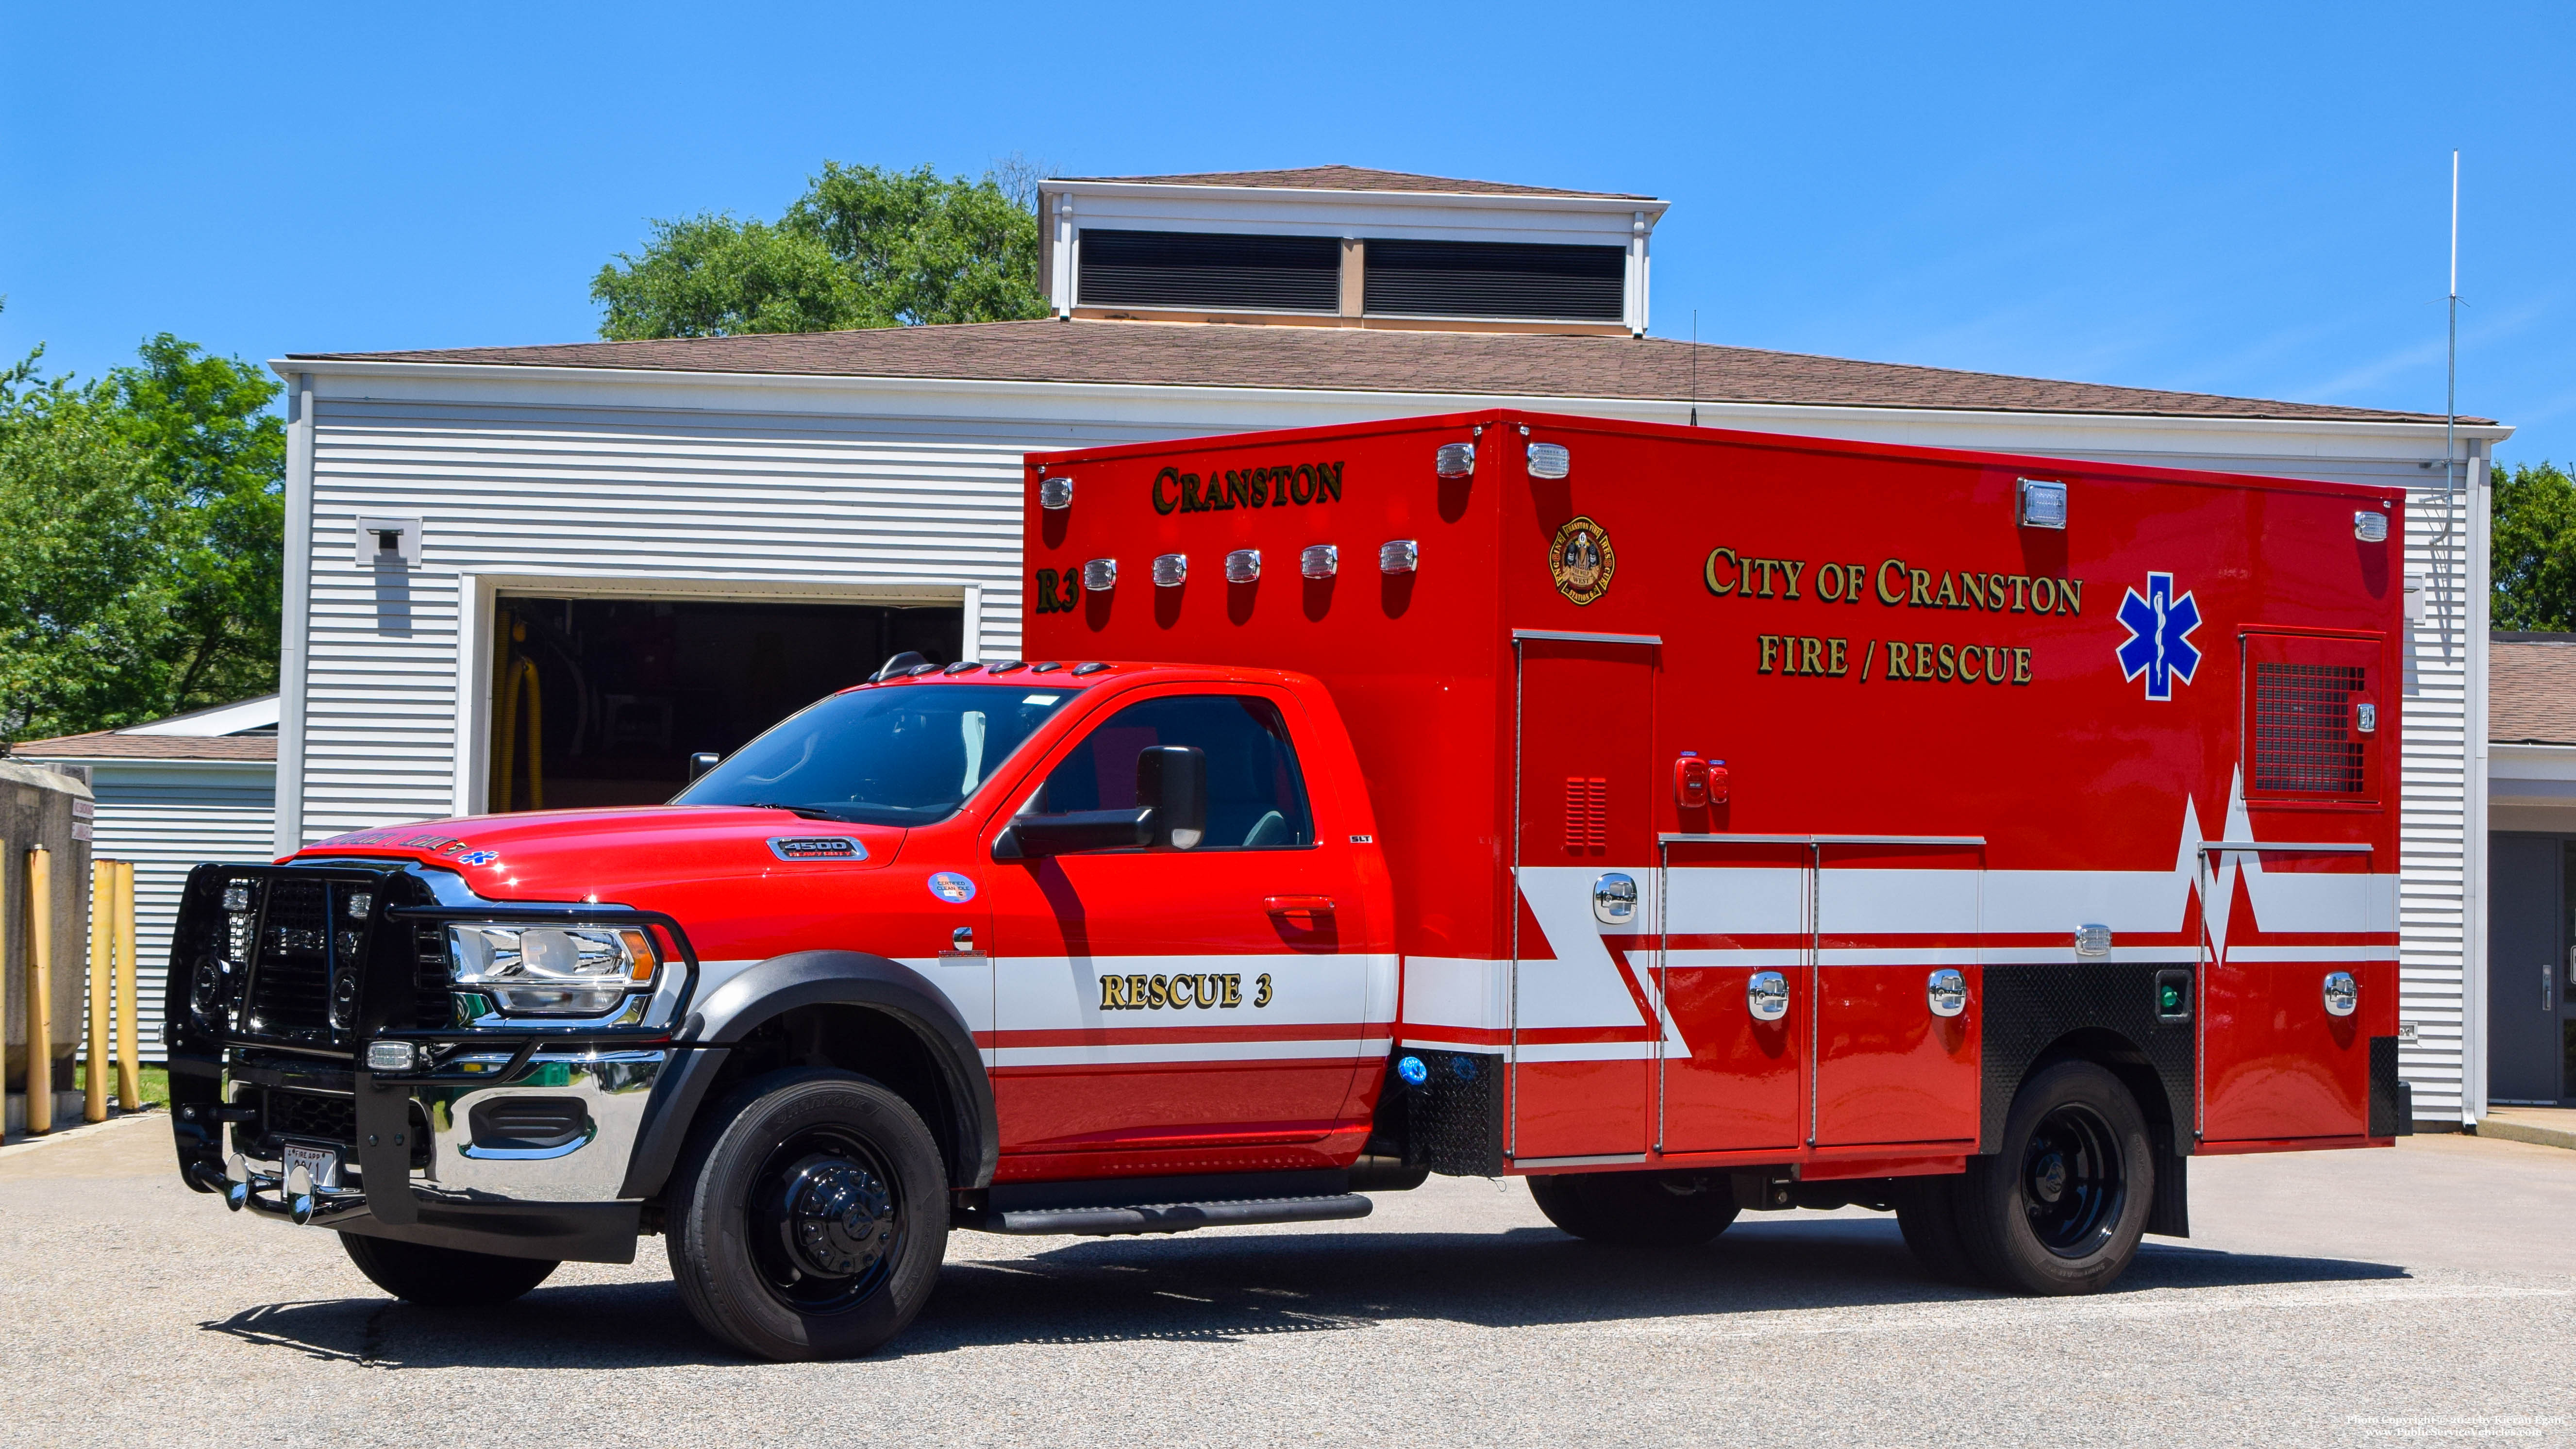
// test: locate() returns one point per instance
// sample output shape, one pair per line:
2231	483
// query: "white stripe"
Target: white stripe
2311	953
1138	1053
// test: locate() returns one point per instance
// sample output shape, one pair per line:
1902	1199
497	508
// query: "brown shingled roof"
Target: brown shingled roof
1355	178
2531	689
1473	364
111	745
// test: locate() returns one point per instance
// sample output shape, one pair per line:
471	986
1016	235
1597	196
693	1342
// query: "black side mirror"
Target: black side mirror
1171	781
701	762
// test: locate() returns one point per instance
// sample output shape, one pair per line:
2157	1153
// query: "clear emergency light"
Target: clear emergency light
2043	505
1171	570
1055	493
1399	556
1549	460
1100	575
1455	460
1319	561
2370	527
1243	566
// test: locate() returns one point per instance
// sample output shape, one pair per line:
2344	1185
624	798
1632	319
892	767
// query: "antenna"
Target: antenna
1694	367
2451	415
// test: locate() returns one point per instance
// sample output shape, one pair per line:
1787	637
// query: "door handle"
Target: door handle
1309	911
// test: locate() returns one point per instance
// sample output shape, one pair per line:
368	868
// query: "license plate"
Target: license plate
323	1163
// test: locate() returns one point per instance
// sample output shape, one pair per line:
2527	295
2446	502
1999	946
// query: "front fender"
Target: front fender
781	984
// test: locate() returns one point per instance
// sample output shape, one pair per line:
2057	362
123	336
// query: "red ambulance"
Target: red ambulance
1690	821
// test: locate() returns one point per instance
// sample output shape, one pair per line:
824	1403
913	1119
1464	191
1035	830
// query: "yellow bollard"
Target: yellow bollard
102	978
129	1024
40	991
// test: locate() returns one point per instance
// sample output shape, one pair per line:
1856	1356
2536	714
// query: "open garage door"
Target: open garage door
599	701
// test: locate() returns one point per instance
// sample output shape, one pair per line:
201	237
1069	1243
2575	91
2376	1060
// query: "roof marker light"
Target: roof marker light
1100	575
1399	556
2043	505
1549	460
1243	566
2370	527
1320	561
1171	570
1455	460
962	666
1006	666
1049	667
1091	668
1055	493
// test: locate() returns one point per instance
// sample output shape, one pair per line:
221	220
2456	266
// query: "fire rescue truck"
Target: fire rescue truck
1691	822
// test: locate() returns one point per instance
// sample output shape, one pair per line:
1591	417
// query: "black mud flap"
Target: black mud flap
2392	1097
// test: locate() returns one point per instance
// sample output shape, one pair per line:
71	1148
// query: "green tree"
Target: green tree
140	540
863	247
2532	541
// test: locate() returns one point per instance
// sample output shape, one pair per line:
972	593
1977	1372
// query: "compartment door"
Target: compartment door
1895	1062
2277	1061
1583	1040
1739	986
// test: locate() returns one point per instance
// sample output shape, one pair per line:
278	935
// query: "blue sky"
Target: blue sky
2244	199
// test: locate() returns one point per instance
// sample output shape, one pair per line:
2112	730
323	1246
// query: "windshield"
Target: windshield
904	756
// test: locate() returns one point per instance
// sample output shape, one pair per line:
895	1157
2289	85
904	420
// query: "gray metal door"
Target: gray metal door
2527	967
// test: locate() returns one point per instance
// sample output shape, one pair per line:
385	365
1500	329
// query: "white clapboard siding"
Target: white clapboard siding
543	491
168	817
790	481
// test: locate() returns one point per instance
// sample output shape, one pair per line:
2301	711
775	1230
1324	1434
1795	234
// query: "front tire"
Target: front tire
1638	1209
809	1217
443	1277
2060	1209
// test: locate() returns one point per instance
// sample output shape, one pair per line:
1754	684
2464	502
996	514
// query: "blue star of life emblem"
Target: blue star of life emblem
2159	644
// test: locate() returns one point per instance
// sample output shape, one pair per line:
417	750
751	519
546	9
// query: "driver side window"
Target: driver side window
1256	799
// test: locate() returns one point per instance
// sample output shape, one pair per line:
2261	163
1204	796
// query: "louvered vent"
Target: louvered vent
2303	735
1203	269
1587	814
1493	279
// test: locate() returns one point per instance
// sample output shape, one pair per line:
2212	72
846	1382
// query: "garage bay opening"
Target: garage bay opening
602	701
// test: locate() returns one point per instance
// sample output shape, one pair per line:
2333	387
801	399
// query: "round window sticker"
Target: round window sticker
953	888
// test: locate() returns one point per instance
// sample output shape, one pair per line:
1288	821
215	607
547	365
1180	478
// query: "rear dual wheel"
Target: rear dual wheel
2059	1210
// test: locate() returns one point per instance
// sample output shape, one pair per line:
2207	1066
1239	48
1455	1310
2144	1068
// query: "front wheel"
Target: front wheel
1638	1209
2060	1209
809	1217
443	1277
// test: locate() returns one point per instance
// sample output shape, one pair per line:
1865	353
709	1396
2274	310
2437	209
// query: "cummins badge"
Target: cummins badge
1581	560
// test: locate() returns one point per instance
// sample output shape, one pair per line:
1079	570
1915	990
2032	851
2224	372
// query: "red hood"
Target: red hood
608	855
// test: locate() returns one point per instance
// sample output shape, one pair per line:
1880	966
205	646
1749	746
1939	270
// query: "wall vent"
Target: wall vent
1493	279
1587	814
1210	270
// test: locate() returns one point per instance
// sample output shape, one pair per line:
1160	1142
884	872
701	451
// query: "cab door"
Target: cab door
1583	1041
1174	999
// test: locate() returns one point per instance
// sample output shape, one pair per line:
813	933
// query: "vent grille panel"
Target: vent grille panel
1494	279
1201	269
1587	814
2303	739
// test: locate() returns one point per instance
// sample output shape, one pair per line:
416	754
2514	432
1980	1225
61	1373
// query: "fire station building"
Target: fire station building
545	576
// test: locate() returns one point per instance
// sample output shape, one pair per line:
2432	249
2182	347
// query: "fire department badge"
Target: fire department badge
1581	560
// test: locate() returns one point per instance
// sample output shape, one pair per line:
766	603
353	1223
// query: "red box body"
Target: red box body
1939	739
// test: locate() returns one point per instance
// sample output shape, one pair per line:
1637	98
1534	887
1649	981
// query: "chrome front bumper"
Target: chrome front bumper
610	1089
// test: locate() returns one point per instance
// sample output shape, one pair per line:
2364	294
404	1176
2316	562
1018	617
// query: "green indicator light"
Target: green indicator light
2169	997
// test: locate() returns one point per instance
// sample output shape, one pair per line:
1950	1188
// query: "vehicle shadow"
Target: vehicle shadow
1214	1288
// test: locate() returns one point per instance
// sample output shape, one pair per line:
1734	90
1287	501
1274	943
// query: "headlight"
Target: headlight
551	970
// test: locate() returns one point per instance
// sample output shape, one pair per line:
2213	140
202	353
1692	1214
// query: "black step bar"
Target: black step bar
1177	1217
